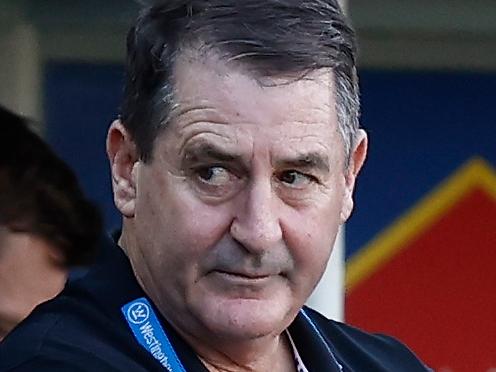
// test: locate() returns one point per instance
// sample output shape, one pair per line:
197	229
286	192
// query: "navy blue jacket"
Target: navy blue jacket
83	329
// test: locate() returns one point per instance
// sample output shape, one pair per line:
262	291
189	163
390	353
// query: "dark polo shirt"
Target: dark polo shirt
84	329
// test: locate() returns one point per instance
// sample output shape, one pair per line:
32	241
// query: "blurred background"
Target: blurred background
420	246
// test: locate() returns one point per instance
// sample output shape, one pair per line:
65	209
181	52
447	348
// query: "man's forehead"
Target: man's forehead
217	88
192	66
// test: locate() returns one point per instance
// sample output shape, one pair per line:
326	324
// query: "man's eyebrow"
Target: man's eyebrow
307	161
208	151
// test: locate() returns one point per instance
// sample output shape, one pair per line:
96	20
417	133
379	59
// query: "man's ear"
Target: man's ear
357	158
123	158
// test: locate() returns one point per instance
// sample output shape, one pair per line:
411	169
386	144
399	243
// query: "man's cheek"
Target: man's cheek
199	235
314	250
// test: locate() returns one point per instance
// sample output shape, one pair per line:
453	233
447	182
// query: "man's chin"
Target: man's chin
244	319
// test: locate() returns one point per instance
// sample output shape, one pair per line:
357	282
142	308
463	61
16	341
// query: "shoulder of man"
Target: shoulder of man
68	334
358	349
53	337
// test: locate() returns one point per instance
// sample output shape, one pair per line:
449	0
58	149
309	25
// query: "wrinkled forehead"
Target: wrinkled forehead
206	80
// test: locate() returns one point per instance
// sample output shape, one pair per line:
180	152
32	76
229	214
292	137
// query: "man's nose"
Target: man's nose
256	224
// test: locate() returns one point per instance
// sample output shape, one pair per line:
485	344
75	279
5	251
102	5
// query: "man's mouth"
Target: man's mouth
244	274
243	278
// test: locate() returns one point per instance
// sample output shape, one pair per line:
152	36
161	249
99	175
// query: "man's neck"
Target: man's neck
270	353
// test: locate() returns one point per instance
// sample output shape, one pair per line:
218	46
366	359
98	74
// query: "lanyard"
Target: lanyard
149	333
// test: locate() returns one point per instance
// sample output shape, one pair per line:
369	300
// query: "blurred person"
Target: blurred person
47	226
233	165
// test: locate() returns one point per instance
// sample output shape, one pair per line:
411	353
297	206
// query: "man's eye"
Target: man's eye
296	179
215	176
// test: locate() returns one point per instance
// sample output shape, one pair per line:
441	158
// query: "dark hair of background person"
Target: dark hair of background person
272	38
39	194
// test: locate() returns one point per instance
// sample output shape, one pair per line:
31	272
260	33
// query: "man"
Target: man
47	226
233	165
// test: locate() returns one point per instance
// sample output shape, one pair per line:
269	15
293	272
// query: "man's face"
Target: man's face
233	221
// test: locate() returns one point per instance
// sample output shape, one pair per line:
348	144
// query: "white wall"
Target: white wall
328	297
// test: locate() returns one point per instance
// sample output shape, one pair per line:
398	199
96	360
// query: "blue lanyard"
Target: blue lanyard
149	333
